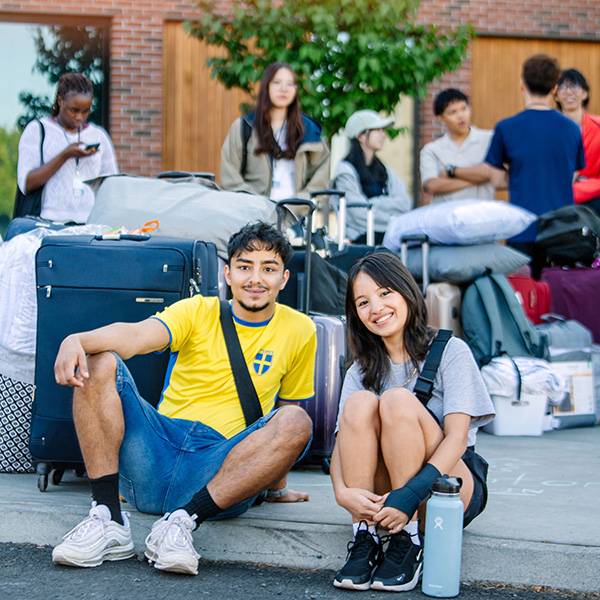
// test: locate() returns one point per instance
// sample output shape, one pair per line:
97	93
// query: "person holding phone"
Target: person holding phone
275	151
73	152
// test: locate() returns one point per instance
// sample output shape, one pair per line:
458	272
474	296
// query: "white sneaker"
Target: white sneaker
170	545
95	540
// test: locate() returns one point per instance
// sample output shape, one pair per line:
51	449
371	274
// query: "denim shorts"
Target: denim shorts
163	461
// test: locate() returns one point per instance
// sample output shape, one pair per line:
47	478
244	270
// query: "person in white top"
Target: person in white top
451	165
73	150
365	179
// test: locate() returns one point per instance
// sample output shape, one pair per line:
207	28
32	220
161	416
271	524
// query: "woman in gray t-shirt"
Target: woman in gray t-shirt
390	448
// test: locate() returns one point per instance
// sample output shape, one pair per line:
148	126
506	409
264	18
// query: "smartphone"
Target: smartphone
90	146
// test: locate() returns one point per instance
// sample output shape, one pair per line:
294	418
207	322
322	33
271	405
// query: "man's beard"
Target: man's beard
252	308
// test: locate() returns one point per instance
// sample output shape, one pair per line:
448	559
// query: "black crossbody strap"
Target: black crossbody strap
424	384
243	382
42	138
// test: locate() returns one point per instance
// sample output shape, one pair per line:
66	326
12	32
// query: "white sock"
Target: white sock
412	528
372	529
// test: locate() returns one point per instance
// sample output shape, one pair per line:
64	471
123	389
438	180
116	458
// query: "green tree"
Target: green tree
62	49
9	143
349	54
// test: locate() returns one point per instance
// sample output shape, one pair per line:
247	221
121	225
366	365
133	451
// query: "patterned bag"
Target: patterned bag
16	399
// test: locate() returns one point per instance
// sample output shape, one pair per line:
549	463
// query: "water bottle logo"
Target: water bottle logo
438	523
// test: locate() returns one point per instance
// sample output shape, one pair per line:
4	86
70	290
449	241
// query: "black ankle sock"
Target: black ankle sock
105	490
202	505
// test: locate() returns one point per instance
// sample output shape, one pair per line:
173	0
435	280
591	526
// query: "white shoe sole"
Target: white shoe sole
174	564
115	553
405	587
347	584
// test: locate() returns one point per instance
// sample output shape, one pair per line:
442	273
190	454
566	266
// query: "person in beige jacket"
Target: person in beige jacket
275	151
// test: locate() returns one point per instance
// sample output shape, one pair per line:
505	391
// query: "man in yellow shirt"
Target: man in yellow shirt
193	457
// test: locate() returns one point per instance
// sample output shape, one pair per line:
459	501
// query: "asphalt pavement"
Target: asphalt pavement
541	526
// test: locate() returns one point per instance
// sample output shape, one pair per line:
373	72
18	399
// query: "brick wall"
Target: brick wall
136	63
136	53
575	19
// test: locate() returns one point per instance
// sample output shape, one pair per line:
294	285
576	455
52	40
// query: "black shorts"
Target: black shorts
479	468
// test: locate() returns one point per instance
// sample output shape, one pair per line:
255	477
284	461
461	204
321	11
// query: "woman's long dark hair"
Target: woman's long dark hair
262	118
373	177
71	84
368	349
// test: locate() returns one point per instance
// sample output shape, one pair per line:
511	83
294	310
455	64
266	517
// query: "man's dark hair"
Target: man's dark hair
574	77
446	97
259	236
540	74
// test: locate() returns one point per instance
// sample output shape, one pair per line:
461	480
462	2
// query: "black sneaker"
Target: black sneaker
400	570
364	555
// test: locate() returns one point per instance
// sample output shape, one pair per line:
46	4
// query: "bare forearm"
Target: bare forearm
122	338
473	175
38	177
444	185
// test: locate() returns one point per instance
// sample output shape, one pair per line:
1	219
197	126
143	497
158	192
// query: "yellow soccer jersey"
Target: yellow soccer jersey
199	385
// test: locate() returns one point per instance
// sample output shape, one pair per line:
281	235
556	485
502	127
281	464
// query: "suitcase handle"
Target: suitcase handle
311	209
123	236
331	192
185	175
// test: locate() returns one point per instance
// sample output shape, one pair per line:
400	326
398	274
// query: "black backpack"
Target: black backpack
569	235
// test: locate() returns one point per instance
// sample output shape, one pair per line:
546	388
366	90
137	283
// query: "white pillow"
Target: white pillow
460	222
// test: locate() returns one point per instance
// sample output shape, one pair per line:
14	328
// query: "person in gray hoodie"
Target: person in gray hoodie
364	178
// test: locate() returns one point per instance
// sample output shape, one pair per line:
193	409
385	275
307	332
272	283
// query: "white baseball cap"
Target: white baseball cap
362	120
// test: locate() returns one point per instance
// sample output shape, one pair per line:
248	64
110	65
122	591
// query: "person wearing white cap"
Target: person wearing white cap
365	178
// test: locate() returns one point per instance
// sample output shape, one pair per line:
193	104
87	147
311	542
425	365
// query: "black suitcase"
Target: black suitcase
85	282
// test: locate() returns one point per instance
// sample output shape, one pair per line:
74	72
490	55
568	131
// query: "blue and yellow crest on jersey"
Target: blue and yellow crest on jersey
262	361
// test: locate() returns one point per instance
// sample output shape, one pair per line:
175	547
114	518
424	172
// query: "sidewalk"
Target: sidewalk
541	526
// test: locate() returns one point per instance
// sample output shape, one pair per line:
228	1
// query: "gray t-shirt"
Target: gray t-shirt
443	151
457	387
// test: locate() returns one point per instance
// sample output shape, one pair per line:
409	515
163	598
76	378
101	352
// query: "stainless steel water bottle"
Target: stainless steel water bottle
443	539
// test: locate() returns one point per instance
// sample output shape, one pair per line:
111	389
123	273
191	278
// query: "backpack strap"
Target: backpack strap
246	133
243	382
423	389
483	285
42	138
529	334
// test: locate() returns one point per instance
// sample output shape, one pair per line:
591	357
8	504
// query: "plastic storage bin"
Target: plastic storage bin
514	417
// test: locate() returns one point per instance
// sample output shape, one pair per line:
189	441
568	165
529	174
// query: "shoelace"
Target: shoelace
182	532
400	544
361	545
92	521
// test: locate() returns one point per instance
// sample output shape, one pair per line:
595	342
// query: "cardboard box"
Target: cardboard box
579	406
514	417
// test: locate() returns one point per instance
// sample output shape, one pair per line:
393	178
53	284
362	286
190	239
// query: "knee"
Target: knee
293	424
102	369
398	404
102	366
361	410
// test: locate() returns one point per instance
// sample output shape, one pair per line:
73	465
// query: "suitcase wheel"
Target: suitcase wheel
56	476
43	483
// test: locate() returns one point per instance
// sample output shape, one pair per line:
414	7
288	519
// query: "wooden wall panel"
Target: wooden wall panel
496	71
198	110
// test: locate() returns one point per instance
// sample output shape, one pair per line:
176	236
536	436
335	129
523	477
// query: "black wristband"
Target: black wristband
409	498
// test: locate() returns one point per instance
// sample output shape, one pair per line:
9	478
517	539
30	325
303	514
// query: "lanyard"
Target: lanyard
69	141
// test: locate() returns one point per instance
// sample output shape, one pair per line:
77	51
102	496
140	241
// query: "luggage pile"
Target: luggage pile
503	311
